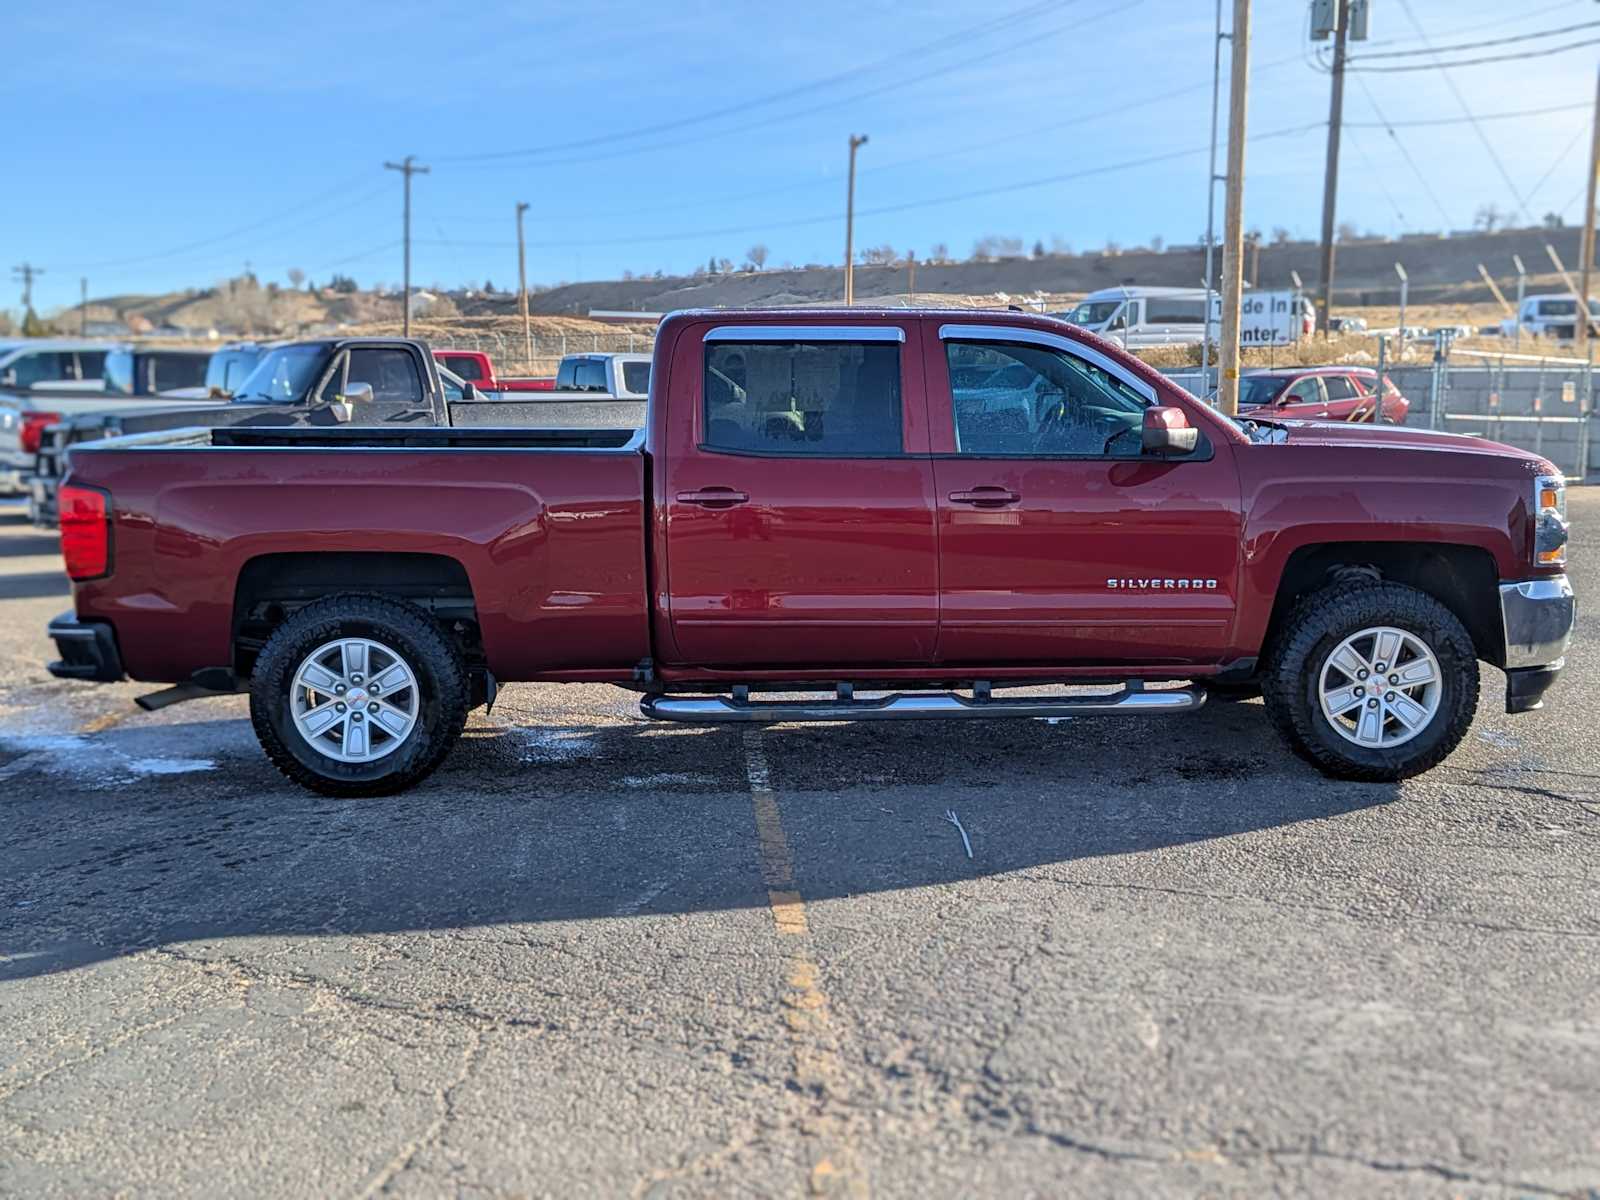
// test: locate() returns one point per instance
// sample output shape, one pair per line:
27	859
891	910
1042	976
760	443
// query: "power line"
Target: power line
1467	110
1377	176
1504	41
1494	116
1405	153
826	106
1497	23
1474	62
958	37
1582	133
932	202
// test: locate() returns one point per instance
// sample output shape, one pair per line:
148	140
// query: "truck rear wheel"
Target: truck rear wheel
1372	681
358	695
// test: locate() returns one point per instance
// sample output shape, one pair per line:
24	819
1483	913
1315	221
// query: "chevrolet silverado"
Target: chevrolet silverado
831	515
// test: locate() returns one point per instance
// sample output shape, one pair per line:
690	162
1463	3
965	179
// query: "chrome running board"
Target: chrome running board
903	706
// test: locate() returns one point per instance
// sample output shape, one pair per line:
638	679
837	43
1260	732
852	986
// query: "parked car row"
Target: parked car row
316	382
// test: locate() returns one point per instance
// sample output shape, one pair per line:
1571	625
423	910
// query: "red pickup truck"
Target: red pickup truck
893	514
477	368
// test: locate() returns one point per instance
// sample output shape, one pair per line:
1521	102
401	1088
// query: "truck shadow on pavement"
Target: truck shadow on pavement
528	825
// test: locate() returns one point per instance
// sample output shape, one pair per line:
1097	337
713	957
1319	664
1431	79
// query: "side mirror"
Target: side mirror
1167	431
357	393
469	391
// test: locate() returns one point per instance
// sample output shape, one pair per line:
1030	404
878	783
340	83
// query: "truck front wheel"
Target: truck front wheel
358	695
1372	681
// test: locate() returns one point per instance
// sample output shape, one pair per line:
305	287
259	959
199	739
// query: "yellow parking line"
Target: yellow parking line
103	722
818	1069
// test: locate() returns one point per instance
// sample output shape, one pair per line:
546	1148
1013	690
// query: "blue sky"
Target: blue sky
160	146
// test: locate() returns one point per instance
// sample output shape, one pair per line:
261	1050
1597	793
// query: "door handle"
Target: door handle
985	496
714	497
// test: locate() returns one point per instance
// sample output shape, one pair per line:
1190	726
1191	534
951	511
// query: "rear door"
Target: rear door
1346	401
1305	399
1059	542
798	497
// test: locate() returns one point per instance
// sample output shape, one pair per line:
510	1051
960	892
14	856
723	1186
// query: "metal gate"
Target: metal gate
1542	403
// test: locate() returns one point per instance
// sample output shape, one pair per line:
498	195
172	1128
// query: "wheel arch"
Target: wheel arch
271	587
1465	579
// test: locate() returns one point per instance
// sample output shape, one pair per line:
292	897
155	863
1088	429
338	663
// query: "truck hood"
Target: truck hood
1400	437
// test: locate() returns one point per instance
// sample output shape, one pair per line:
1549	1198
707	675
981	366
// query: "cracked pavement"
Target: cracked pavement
1179	962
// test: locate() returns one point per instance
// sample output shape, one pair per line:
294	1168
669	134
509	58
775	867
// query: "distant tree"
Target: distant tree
939	253
1347	232
7	325
992	245
627	277
343	284
1253	235
1038	249
711	265
1060	246
878	256
32	326
1157	242
295	276
1280	236
488	286
1552	220
1489	217
1113	247
756	256
725	265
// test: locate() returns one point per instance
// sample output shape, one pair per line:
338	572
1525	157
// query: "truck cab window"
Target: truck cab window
464	365
803	398
392	372
1012	398
590	375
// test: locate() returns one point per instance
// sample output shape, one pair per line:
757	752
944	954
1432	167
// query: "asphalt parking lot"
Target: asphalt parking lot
596	956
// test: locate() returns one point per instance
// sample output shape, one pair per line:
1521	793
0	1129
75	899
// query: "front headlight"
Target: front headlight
1550	520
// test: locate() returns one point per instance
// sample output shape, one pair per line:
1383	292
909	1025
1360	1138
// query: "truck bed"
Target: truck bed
548	526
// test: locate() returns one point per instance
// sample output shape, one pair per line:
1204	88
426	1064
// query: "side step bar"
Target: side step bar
903	706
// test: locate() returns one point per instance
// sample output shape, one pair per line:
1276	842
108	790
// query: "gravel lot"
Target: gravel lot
595	956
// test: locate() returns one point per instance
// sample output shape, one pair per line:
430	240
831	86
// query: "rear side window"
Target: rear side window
803	398
117	372
1339	387
178	371
91	363
463	365
636	377
391	372
1174	312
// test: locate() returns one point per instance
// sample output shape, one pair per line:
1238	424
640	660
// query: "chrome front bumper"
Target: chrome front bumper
1538	616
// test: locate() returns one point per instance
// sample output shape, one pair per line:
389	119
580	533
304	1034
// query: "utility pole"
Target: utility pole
83	306
27	272
911	275
406	168
1211	202
1587	265
1330	175
1233	212
850	223
522	292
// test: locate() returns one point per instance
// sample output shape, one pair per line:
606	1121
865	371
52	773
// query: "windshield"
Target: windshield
1256	390
284	375
1093	313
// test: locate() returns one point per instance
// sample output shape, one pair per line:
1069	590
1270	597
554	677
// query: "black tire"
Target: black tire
1315	628
442	698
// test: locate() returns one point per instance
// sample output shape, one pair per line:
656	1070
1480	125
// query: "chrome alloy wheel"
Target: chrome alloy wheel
1380	687
354	700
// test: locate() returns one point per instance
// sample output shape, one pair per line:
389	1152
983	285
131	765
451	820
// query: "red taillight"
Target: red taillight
33	427
85	517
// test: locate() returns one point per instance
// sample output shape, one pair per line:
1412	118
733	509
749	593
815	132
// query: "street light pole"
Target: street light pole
856	142
406	168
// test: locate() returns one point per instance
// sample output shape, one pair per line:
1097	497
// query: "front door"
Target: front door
1059	541
798	496
1304	400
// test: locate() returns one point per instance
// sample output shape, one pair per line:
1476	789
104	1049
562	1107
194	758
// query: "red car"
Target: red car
1321	394
906	512
475	367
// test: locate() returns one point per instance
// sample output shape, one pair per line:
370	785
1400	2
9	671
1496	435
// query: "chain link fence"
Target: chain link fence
538	354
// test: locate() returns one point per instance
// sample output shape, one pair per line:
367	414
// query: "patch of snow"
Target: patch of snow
555	746
169	766
666	779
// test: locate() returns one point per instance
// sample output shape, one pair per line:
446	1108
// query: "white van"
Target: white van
1147	316
1552	316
